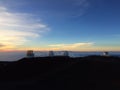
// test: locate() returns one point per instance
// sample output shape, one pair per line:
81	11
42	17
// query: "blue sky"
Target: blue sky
82	25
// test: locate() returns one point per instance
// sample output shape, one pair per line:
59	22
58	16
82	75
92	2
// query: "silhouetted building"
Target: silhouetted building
30	54
105	53
51	53
65	53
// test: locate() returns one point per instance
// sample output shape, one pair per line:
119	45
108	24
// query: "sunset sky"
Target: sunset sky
77	25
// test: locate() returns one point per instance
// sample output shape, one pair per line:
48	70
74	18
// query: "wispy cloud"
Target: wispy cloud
65	8
82	6
73	46
16	28
1	45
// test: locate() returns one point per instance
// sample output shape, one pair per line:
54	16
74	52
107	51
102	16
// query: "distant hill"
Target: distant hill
61	73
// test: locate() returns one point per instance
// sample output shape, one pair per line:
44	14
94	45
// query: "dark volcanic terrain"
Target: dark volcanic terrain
61	73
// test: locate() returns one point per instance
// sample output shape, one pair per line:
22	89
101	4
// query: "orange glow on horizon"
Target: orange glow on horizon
80	49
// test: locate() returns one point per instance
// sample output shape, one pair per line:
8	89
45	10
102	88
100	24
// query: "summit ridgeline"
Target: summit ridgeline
61	73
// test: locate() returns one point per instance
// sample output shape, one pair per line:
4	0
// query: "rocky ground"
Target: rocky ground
61	73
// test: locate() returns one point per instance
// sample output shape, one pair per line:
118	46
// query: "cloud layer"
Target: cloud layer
73	46
1	45
17	28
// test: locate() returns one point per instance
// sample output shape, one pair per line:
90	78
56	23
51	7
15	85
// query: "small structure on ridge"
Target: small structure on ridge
65	53
105	53
30	54
51	53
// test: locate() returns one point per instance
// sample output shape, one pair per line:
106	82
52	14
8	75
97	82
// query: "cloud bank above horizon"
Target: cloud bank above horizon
73	46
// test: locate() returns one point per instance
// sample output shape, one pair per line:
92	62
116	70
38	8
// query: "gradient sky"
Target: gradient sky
79	25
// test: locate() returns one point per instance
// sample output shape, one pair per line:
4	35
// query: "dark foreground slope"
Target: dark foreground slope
61	73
